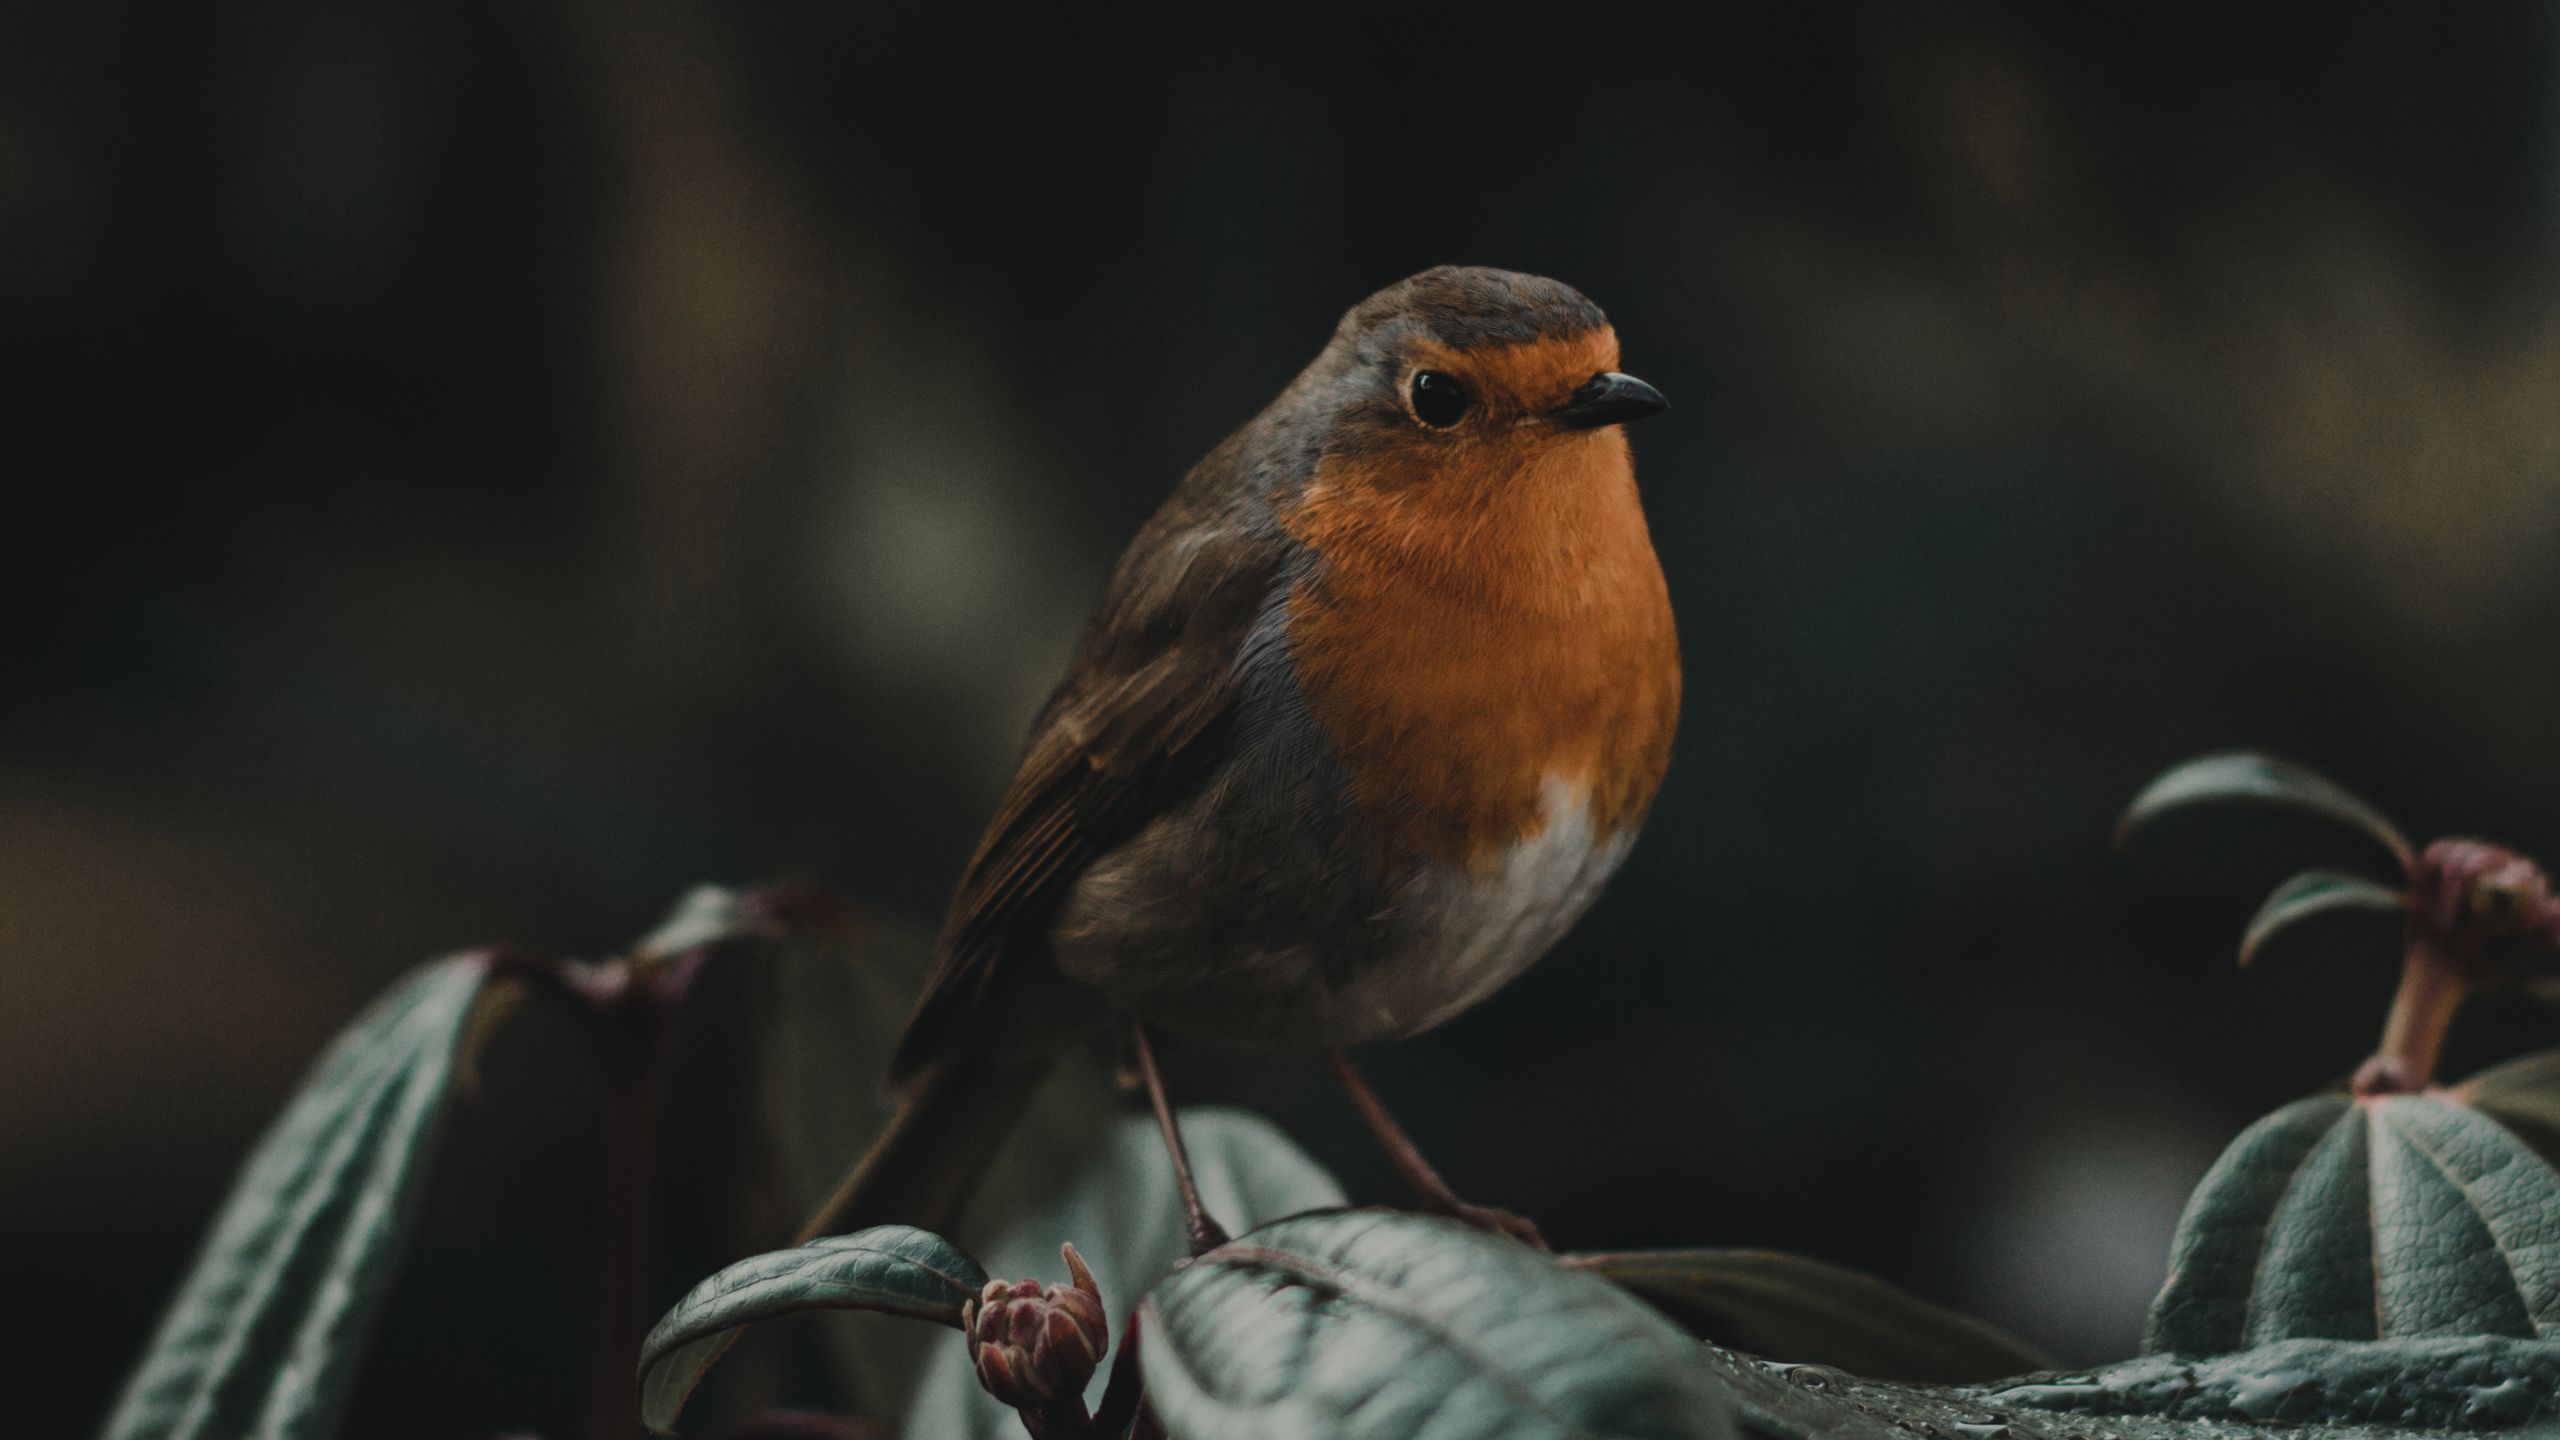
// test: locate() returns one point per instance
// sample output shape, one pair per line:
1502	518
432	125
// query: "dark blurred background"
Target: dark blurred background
477	469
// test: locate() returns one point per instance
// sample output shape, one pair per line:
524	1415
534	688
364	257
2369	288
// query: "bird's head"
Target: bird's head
1463	369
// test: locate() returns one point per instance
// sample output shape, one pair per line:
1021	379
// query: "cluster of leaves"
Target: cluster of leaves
265	1335
2383	1261
1362	1323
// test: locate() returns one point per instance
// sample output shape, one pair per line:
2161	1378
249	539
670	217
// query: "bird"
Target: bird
1367	714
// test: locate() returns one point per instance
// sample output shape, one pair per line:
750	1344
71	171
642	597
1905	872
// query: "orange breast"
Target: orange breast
1480	624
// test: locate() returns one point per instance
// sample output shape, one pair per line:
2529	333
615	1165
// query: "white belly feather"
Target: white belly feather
1487	927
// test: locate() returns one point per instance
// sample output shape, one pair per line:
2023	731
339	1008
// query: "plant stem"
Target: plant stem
1062	1419
630	1112
2432	989
637	1024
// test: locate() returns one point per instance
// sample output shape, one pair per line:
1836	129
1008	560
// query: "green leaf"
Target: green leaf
1125	1216
1790	1307
893	1270
1364	1325
2524	1096
2395	1217
2315	892
2260	780
263	1336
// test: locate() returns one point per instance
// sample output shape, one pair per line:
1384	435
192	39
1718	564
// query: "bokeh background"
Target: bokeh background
477	469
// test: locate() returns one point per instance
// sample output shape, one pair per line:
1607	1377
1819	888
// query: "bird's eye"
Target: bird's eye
1438	400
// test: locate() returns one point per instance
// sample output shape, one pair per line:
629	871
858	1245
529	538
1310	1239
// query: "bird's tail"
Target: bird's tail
923	1168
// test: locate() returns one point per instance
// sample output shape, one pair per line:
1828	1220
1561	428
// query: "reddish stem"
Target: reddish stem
633	1013
1061	1419
630	1135
2432	989
632	1007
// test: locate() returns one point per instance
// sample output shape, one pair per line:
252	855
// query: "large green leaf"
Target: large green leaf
2266	781
892	1270
1123	1213
2395	1217
263	1337
1364	1325
1791	1307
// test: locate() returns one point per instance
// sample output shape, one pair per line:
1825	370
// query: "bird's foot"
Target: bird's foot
1500	1222
1206	1234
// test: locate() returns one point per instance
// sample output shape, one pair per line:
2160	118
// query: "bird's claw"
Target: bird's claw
1206	1234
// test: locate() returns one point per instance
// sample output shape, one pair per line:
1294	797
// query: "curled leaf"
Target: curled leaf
2247	778
1797	1309
2315	892
1365	1325
892	1269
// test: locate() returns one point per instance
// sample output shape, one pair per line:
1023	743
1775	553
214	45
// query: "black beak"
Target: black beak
1610	398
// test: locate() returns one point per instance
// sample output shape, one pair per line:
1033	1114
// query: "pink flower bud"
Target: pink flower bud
1036	1345
2491	907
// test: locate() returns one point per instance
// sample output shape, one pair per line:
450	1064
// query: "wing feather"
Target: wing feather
1144	714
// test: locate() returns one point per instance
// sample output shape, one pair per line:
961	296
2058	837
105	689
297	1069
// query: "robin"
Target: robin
1368	713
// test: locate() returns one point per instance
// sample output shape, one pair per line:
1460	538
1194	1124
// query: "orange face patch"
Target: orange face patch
1488	615
1520	381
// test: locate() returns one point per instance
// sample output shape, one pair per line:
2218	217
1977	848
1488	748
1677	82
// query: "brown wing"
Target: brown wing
1144	713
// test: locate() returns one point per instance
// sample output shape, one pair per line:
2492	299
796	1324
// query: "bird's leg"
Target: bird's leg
1206	1234
1428	1188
